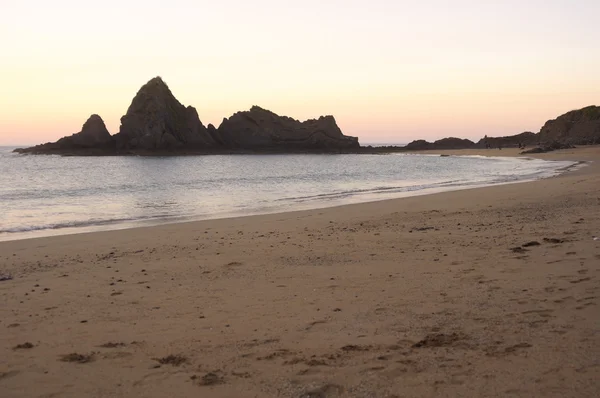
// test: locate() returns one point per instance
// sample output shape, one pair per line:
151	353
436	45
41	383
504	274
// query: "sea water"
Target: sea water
51	195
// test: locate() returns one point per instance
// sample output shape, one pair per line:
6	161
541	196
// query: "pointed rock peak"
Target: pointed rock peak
156	81
94	120
156	120
95	129
155	87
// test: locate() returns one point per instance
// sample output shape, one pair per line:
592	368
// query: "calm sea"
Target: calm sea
51	195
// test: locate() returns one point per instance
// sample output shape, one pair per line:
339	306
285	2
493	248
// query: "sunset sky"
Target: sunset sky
389	71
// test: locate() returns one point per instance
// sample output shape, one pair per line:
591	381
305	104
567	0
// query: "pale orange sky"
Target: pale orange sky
389	71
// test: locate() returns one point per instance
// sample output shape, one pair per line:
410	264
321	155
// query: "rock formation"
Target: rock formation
156	121
548	147
444	143
259	128
93	138
518	140
578	127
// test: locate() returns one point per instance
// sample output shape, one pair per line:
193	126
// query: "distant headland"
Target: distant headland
156	123
577	127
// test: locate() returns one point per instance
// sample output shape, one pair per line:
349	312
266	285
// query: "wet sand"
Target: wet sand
482	292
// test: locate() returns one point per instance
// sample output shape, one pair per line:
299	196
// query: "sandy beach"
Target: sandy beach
483	292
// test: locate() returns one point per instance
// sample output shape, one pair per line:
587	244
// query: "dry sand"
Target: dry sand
429	296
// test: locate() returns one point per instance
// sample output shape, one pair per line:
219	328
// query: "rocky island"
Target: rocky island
157	123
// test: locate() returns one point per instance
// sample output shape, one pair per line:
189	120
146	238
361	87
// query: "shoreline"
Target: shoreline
490	291
109	225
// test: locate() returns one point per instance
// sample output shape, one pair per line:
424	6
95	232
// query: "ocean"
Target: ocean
53	195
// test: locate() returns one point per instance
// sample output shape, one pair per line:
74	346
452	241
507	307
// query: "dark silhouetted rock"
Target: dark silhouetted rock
260	129
214	133
93	138
512	141
92	133
156	121
578	127
444	143
553	146
418	145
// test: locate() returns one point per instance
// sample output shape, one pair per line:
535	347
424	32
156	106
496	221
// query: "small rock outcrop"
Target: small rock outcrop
517	141
260	129
444	143
92	133
157	121
548	147
578	127
93	138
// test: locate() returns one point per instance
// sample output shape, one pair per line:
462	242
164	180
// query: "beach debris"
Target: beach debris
78	358
532	243
24	346
5	277
596	237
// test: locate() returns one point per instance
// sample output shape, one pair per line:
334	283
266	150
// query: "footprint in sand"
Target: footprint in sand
326	391
562	300
6	375
495	352
582	280
542	313
78	358
209	379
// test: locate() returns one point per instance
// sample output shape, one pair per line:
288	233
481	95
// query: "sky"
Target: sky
389	71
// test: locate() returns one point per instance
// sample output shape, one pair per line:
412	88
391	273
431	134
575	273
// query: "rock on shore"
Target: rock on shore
578	127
